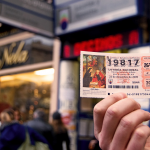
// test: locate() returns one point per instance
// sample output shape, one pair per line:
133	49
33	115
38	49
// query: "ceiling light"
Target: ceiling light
45	72
6	78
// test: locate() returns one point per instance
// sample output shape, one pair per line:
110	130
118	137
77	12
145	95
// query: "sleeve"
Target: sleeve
50	136
67	140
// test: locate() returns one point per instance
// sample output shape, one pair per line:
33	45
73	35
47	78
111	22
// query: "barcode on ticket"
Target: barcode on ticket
123	86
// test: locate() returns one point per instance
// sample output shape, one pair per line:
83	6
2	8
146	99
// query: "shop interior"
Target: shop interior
27	91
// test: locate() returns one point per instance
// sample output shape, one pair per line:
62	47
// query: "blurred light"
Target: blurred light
0	24
48	78
6	78
45	72
36	102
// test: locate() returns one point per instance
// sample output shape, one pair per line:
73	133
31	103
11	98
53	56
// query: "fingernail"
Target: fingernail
139	104
124	95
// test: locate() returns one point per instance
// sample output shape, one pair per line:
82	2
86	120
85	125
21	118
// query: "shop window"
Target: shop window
27	92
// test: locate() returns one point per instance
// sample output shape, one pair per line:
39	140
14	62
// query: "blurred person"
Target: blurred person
7	117
118	124
94	145
24	114
17	115
87	78
41	126
3	106
18	137
61	133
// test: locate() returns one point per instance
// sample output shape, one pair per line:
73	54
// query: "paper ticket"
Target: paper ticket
102	74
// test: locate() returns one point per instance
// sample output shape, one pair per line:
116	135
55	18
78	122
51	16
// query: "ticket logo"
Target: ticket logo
110	81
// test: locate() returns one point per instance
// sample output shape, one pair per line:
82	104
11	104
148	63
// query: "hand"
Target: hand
118	124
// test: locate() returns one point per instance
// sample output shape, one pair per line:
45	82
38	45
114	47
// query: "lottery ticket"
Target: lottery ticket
102	74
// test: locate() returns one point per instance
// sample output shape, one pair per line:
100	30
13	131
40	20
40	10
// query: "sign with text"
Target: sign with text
87	13
103	74
31	15
28	51
131	38
9	57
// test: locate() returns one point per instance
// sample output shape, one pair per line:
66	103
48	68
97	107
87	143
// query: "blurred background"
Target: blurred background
40	44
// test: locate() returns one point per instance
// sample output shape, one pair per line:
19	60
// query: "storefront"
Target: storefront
96	26
29	57
28	73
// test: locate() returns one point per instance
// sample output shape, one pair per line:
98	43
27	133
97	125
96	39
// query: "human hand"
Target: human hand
118	124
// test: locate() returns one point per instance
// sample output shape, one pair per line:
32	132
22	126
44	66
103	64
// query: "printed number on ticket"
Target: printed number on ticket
103	74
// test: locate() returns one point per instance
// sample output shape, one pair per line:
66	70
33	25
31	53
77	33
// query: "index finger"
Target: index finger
100	109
